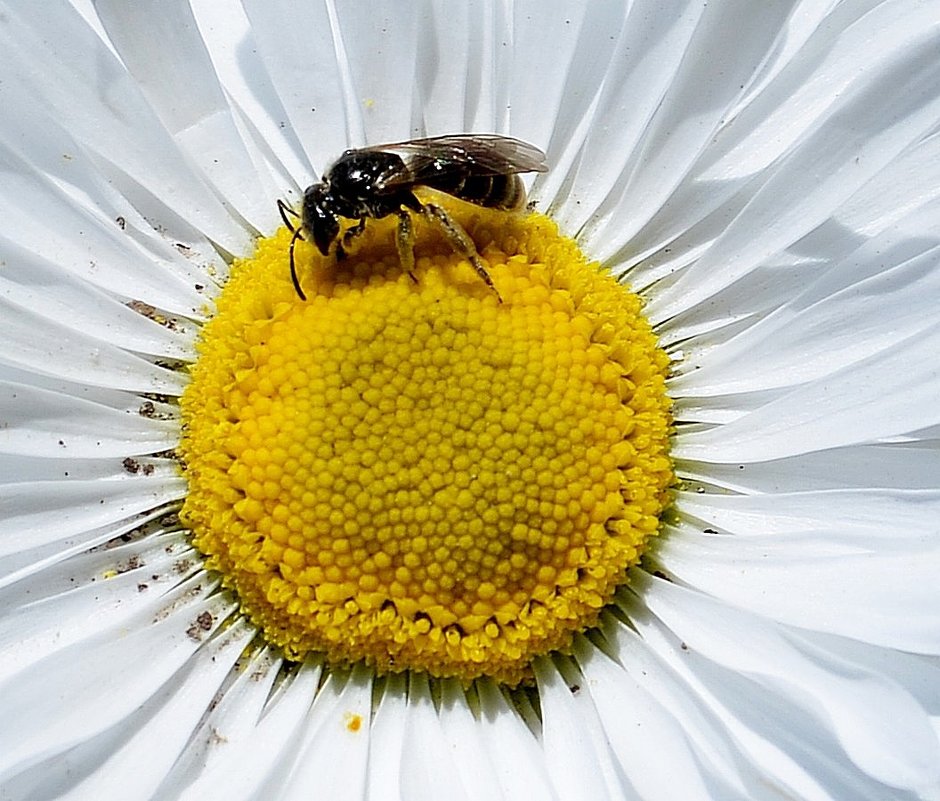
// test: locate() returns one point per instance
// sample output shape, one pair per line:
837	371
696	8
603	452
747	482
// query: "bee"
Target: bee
375	182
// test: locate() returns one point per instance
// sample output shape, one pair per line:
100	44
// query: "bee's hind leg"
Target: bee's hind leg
405	242
461	242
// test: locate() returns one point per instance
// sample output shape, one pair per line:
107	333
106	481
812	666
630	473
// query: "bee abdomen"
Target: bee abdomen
493	191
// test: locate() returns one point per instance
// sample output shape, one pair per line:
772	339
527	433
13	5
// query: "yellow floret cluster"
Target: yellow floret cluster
404	469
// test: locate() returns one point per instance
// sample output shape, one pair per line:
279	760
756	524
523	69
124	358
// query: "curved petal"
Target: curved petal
252	765
55	713
108	115
820	577
829	695
577	751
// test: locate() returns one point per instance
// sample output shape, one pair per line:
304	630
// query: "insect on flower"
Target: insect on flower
375	182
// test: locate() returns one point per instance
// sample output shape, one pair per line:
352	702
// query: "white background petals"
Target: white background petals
767	175
844	700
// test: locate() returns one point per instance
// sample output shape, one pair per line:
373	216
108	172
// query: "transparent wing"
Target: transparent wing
460	156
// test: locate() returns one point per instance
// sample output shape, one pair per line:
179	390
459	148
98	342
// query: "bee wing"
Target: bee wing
460	156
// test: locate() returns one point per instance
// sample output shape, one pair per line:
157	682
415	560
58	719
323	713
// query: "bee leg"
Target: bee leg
405	242
352	233
461	242
293	267
286	210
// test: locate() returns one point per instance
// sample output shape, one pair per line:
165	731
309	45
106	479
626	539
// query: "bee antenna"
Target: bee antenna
293	269
286	210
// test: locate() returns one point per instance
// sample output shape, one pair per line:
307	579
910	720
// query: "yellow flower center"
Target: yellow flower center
407	471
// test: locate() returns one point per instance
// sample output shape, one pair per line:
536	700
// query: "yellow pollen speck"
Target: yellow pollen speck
407	471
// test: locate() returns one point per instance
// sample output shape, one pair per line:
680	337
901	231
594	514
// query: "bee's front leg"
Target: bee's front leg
293	266
290	217
348	237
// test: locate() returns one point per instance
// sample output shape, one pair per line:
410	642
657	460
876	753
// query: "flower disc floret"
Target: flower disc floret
407	471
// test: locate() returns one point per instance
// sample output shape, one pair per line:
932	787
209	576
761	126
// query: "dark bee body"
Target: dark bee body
493	191
380	181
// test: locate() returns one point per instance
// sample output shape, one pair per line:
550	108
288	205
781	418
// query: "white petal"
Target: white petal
650	695
788	758
428	765
577	750
852	405
855	309
691	107
811	82
68	220
383	780
829	696
841	521
315	92
51	511
89	233
86	84
56	712
823	168
819	581
254	762
650	745
49	348
381	102
560	70
465	735
159	732
507	731
919	675
335	744
259	115
227	720
901	465
460	53
911	182
39	422
50	295
498	756
162	49
68	602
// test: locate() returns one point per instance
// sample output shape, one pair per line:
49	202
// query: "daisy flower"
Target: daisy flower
420	537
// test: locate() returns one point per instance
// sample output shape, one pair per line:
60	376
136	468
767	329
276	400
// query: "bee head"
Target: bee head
320	221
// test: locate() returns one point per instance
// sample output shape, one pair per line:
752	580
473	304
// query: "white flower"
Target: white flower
766	174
